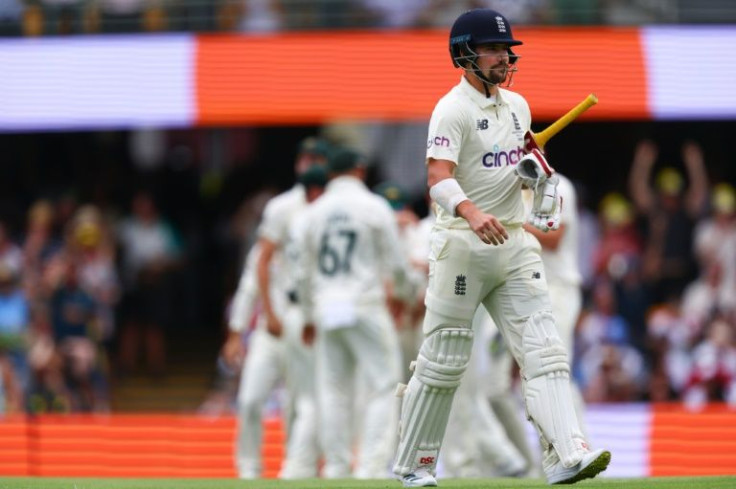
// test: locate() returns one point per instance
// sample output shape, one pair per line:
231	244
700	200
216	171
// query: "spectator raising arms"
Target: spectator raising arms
671	211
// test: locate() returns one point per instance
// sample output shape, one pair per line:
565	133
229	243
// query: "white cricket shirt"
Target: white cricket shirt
243	304
274	226
485	139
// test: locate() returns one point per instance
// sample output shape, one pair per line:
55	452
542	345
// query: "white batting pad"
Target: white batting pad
442	360
547	391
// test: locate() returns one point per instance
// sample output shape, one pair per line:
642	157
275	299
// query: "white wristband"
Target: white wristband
448	194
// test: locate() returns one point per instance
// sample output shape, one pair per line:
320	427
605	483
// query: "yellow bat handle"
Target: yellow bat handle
544	136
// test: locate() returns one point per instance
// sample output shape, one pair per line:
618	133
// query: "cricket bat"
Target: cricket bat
538	141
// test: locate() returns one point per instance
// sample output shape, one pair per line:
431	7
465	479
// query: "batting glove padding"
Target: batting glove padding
533	169
545	214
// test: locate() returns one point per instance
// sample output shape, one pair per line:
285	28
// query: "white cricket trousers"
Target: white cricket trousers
567	302
367	351
509	280
302	449
263	369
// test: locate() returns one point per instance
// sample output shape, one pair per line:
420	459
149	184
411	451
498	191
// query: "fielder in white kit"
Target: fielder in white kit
351	245
277	351
480	254
263	369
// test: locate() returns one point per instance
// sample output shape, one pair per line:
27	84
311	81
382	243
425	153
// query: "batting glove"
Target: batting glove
533	169
545	214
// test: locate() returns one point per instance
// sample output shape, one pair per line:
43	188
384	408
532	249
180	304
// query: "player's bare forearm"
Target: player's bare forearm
232	350
697	192
645	155
549	240
268	248
309	333
438	170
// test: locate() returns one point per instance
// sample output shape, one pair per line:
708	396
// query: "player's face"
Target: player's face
493	61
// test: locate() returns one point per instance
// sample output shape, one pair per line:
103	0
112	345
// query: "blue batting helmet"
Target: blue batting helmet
479	26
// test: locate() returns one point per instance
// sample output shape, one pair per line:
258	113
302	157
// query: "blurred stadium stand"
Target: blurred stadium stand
60	17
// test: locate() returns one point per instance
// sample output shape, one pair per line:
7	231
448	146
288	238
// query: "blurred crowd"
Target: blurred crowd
59	17
65	281
660	317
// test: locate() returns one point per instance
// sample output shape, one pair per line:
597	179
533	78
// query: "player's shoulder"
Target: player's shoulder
378	201
382	213
288	198
514	99
369	206
565	182
451	102
452	109
566	188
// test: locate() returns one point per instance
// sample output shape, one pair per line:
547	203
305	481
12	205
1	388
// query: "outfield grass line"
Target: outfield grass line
117	483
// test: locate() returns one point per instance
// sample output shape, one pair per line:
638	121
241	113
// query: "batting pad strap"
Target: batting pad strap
448	194
436	375
548	359
543	349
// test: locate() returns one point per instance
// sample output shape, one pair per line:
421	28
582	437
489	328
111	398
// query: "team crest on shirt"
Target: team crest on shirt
460	285
517	126
518	131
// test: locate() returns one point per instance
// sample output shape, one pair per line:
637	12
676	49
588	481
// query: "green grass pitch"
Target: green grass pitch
90	483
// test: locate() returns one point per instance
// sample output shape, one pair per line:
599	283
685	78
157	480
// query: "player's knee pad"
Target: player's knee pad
443	357
547	393
442	360
542	347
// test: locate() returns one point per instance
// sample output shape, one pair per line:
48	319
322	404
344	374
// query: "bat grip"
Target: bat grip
544	136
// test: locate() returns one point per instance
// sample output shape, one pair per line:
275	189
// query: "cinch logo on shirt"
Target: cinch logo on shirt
498	158
440	141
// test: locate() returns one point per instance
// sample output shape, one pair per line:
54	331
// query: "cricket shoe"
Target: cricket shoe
420	478
592	464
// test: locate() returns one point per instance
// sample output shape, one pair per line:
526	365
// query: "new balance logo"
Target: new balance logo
426	460
460	285
481	125
536	275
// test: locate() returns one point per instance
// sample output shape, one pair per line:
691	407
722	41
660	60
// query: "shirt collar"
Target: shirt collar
478	97
299	189
344	181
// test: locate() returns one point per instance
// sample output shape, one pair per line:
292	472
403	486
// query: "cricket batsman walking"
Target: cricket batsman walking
481	254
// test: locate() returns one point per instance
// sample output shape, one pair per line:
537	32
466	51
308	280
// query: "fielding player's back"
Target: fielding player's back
351	245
